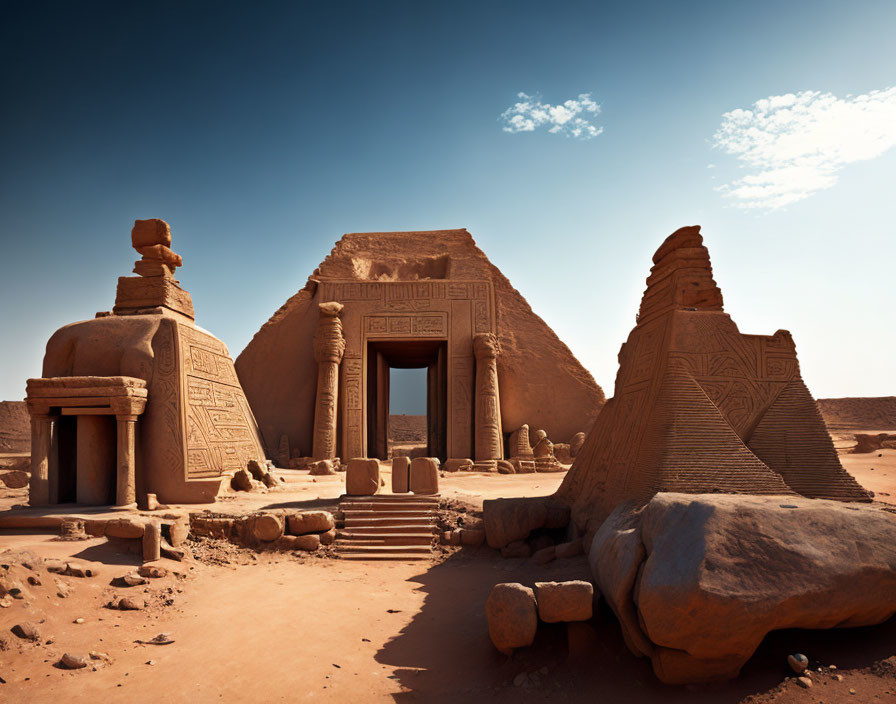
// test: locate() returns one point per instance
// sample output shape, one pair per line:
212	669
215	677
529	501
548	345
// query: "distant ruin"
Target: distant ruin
317	373
701	407
139	400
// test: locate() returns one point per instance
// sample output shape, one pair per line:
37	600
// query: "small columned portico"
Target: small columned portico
87	401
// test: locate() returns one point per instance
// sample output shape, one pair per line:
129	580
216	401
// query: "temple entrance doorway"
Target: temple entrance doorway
384	355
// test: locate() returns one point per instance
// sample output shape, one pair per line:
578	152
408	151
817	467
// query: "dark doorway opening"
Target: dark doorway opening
407	354
67	444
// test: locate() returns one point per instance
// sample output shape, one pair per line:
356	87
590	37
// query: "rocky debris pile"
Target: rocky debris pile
257	476
513	610
697	581
301	530
459	524
866	442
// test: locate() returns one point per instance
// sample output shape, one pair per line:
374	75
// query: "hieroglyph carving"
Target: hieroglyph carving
220	428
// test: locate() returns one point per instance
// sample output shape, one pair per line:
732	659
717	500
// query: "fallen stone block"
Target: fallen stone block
310	522
362	477
128	528
512	616
424	476
564	601
401	472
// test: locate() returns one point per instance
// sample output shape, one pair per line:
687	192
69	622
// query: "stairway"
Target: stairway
387	527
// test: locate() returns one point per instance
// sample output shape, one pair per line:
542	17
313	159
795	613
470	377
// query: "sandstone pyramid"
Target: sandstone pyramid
412	274
700	407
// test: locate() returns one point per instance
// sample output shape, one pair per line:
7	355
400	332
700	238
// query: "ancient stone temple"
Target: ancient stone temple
317	373
701	407
139	400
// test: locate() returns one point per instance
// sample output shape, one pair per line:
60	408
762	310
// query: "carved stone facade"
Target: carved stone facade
452	312
415	300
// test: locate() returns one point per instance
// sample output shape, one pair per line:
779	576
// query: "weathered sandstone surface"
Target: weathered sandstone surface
15	427
697	581
701	407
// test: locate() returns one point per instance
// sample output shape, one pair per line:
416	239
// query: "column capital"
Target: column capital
125	406
329	344
485	345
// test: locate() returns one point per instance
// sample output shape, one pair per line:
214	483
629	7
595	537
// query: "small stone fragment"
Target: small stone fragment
74	661
152	571
132	579
128	603
241	480
804	682
798	662
26	630
73	569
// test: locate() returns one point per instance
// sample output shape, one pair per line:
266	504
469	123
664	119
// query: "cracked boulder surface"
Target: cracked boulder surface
697	581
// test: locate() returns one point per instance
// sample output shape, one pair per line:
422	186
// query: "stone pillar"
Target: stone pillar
329	346
41	446
126	475
489	444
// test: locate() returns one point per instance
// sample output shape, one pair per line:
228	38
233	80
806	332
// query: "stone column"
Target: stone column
329	346
41	446
126	475
489	443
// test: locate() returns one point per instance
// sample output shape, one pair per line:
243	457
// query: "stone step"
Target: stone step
426	529
385	513
343	548
382	557
350	539
378	498
368	522
386	505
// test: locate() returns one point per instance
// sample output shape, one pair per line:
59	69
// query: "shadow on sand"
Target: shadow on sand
445	654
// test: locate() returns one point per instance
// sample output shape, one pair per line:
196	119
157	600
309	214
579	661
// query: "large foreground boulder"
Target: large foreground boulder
697	581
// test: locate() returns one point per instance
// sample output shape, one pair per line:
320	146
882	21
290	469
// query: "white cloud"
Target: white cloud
794	145
571	118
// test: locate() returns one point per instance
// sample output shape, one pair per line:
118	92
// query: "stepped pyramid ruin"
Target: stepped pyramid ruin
700	407
317	373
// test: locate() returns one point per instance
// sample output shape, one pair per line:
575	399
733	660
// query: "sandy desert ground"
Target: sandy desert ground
290	627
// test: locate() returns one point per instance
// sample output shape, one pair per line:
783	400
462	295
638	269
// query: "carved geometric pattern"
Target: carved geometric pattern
221	432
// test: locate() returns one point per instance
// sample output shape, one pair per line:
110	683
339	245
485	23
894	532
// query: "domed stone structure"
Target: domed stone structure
140	400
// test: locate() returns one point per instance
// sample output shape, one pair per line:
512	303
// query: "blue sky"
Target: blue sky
263	133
